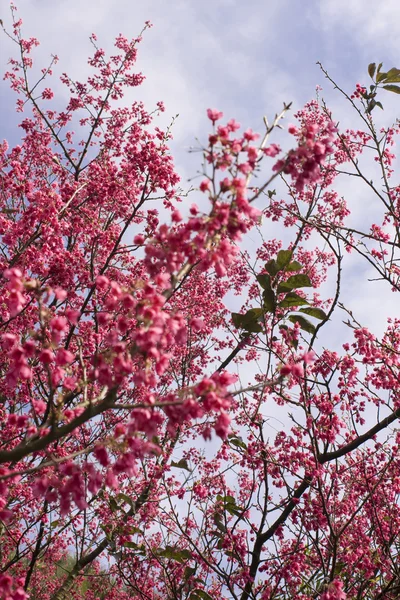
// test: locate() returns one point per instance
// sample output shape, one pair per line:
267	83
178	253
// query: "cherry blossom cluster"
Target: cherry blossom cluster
359	92
120	357
11	589
304	164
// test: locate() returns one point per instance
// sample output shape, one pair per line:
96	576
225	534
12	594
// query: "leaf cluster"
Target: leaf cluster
274	285
381	79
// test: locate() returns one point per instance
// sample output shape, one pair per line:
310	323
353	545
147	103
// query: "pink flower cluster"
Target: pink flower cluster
15	298
303	164
210	395
334	591
12	588
209	239
295	367
359	92
114	356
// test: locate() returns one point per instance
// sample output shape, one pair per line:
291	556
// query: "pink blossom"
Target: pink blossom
176	216
139	239
59	324
205	185
197	324
334	591
102	282
46	356
272	150
222	425
8	340
214	115
64	357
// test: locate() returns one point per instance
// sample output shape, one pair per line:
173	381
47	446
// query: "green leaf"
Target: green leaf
113	505
272	267
379	67
219	523
225	499
392	88
292	299
313	311
253	313
174	554
249	321
265	281
381	77
198	594
371	106
234	510
131	545
133	530
393	76
379	104
294	266
269	303
394	79
283	258
237	320
181	464
253	328
371	70
294	282
230	506
304	323
339	567
236	441
188	572
126	499
140	549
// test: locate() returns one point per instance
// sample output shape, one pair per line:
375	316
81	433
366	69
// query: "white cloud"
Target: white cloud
373	25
